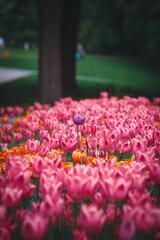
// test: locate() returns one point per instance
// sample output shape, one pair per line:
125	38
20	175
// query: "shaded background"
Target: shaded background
106	27
117	28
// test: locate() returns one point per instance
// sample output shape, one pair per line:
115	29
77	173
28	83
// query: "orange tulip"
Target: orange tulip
79	157
111	157
157	124
91	161
4	119
67	164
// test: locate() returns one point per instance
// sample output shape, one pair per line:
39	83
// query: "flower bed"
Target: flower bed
81	170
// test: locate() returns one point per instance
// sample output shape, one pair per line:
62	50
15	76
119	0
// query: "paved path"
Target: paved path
7	74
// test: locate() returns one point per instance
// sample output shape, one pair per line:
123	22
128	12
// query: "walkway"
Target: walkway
7	74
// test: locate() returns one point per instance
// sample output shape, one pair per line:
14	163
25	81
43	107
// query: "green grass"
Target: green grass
122	75
21	59
117	75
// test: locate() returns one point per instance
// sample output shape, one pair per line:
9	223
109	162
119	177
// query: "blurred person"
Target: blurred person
26	46
80	51
1	46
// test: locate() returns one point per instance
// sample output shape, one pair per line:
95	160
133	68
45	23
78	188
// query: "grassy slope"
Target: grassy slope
122	74
114	74
24	90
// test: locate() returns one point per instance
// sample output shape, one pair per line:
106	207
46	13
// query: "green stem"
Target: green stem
36	182
78	136
87	148
75	212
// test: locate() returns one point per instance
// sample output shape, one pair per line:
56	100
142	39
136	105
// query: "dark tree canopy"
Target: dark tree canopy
107	27
121	27
19	21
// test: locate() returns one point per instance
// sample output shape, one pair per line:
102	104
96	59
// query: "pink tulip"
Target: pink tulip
103	145
74	185
50	186
48	124
99	200
6	231
121	188
43	150
7	128
18	110
68	216
33	145
43	133
2	213
127	229
103	94
23	122
38	105
93	143
139	181
138	145
146	219
142	157
115	189
56	162
6	139
10	110
54	143
34	227
123	146
136	197
69	143
15	166
156	100
154	169
34	126
91	219
29	134
80	235
17	136
2	111
111	213
52	208
21	214
38	164
125	132
22	180
90	187
11	197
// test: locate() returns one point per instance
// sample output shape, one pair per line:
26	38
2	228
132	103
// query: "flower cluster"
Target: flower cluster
81	170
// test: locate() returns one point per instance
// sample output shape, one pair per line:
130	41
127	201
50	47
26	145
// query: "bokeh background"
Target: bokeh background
120	39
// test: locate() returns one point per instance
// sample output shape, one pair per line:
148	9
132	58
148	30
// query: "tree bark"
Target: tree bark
70	28
50	69
59	21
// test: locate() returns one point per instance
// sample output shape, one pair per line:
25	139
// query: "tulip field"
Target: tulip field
84	169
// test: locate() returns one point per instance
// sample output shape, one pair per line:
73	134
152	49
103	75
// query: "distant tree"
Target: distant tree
19	21
141	25
59	21
121	27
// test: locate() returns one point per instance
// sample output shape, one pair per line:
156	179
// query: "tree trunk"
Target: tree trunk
70	27
58	39
50	69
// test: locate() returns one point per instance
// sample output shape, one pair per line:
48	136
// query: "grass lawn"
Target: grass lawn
118	75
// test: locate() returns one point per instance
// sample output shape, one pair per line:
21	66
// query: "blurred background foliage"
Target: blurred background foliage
19	22
121	27
117	27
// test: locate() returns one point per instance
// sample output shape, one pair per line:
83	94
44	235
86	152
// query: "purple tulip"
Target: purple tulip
78	118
